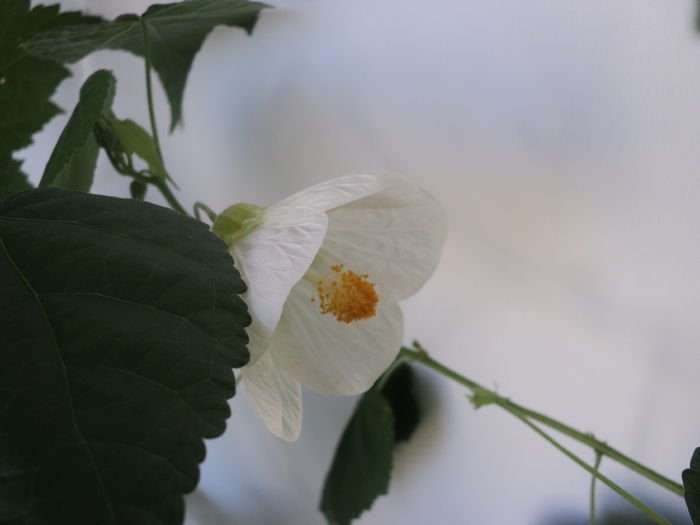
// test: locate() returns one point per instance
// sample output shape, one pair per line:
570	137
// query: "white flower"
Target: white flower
325	269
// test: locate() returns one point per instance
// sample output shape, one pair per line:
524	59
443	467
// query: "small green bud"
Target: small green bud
237	221
108	141
138	189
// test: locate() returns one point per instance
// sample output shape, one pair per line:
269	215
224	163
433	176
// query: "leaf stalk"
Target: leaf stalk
158	182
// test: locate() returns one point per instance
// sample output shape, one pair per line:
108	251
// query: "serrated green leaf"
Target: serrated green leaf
12	179
27	82
134	140
691	484
362	464
72	162
175	33
361	468
119	324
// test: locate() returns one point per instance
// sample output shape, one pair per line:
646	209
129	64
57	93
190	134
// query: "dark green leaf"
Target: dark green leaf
361	467
691	483
12	179
134	140
362	464
175	33
72	162
119	324
398	390
27	82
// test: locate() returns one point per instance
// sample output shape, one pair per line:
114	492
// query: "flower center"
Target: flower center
347	295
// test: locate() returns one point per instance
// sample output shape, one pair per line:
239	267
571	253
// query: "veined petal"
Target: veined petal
394	236
333	193
271	260
333	357
275	395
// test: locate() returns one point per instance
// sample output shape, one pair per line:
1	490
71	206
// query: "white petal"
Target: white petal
275	395
332	357
271	260
395	237
333	193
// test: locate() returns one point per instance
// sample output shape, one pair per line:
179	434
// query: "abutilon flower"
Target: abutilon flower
325	269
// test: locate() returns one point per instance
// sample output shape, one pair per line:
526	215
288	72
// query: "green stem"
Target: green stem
149	90
591	501
168	195
603	448
199	207
484	396
159	183
626	495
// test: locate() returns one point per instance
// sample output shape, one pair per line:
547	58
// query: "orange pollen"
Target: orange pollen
347	295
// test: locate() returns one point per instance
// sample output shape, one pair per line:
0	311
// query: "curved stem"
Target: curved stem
149	90
591	502
158	182
199	207
484	396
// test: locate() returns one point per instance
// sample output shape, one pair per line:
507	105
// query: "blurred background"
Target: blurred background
562	138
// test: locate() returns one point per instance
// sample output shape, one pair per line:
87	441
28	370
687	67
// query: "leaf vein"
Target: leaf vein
67	386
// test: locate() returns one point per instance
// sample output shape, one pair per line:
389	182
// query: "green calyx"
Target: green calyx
237	221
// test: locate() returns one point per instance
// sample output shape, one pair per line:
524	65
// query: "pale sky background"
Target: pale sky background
562	138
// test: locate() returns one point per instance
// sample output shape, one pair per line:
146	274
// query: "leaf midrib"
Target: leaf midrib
152	25
67	385
62	221
135	24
